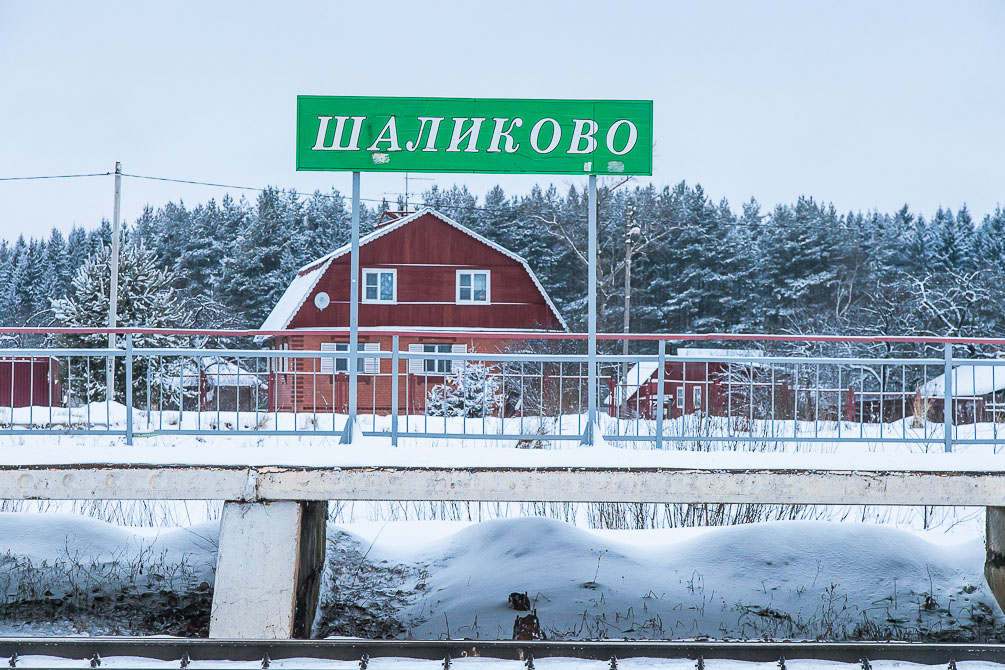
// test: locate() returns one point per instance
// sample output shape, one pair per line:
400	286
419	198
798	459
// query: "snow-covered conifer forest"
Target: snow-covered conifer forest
701	264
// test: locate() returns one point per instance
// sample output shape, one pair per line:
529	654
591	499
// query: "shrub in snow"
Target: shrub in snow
145	298
472	391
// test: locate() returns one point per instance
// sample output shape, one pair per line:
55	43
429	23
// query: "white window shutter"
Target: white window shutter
327	364
415	364
457	366
371	366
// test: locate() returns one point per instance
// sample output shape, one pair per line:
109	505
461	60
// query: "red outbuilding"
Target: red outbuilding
26	381
418	272
697	382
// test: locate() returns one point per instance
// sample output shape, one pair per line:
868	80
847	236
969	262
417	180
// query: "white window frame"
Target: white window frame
394	286
283	363
680	397
417	366
696	397
366	366
488	287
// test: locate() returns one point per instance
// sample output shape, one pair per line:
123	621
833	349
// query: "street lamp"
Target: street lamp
632	234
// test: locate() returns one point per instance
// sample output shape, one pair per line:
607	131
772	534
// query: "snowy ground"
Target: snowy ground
66	574
427	570
694	430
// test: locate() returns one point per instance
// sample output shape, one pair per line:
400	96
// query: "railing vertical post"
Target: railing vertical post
129	388
947	410
394	390
660	381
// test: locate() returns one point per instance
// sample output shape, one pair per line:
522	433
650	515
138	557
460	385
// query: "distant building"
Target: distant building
698	384
978	394
221	385
30	381
418	272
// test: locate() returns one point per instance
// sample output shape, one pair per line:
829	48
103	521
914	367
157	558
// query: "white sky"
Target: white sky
866	104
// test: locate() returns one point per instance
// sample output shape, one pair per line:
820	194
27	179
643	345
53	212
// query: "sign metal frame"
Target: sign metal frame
590	140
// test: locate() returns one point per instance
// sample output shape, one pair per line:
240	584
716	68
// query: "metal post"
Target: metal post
947	410
113	293
395	361
350	425
631	232
661	380
129	388
591	365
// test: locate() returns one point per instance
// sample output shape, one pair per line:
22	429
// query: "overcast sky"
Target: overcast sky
865	104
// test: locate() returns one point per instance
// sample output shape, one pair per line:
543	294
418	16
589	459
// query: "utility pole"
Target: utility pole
113	297
632	233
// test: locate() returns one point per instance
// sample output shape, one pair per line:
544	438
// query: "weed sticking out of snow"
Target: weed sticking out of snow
799	580
792	580
76	575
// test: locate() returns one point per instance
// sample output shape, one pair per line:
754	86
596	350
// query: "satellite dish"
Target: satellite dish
321	300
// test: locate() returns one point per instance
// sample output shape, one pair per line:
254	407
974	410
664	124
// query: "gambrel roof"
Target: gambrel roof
308	276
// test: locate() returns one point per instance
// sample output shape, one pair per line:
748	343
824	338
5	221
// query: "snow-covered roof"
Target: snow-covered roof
293	298
220	373
715	352
303	284
637	376
968	380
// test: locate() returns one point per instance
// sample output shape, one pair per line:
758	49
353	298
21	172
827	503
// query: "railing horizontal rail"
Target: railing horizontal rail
516	334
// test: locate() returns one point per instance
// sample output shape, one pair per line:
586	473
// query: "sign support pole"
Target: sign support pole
591	434
351	430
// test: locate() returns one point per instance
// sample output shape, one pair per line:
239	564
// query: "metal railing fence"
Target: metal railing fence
532	395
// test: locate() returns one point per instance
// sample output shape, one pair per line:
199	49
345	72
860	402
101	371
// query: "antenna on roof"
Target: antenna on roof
403	197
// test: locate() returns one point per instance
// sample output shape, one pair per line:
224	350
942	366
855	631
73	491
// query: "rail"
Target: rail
424	386
152	652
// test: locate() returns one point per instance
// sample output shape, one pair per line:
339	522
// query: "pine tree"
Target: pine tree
145	299
472	391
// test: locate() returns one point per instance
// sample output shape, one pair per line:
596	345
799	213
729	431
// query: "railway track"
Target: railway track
128	652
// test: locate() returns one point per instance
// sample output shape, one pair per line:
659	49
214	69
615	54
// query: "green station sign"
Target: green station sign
364	134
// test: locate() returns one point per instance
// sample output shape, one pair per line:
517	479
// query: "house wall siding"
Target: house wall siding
304	388
427	254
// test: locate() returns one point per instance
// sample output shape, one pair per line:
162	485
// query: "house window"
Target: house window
473	286
680	398
433	366
283	363
380	285
696	396
341	365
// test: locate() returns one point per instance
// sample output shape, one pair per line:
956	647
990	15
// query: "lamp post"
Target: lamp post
632	233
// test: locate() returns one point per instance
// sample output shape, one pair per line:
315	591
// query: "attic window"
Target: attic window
380	285
473	287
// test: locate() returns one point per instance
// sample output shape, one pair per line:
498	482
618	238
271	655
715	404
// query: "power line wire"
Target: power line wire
448	206
56	176
234	186
479	208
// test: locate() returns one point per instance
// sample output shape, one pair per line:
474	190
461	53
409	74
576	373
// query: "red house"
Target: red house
418	272
695	384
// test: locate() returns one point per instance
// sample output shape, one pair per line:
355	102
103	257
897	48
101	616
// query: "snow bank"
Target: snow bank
781	580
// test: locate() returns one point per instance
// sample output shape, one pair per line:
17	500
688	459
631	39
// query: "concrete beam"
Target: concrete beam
656	485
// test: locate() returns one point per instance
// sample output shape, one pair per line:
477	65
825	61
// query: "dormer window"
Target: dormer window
380	285
473	287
